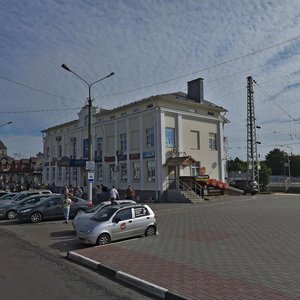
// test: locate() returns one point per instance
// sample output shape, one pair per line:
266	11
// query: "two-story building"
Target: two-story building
145	144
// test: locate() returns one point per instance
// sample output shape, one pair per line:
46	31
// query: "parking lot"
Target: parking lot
243	247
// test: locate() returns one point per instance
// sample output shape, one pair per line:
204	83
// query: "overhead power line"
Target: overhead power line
209	67
35	111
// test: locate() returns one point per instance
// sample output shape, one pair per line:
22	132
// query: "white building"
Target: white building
145	144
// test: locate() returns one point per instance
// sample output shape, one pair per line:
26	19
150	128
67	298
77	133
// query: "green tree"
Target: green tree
275	161
294	165
236	165
264	176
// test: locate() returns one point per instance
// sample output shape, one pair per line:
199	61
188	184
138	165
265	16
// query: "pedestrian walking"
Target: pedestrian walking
67	203
130	193
114	195
78	192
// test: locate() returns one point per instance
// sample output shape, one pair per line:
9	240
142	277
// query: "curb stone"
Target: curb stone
141	284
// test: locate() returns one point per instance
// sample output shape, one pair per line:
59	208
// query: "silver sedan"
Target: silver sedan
116	222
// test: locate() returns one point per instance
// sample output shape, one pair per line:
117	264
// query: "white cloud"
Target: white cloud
147	42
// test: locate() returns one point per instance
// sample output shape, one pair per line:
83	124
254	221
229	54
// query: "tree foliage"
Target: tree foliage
275	161
236	165
264	175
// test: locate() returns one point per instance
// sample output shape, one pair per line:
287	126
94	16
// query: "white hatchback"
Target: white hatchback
81	218
116	222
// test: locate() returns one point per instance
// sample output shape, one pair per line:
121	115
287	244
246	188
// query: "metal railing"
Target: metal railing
192	188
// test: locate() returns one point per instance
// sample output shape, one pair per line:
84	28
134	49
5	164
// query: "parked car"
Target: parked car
79	219
24	194
115	222
9	211
248	186
7	196
51	208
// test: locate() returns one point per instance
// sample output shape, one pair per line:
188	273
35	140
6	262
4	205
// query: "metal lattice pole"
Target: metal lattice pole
252	157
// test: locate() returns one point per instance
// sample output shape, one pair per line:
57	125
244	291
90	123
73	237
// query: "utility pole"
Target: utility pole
252	157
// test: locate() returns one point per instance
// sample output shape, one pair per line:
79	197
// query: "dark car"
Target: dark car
9	210
51	208
248	186
7	196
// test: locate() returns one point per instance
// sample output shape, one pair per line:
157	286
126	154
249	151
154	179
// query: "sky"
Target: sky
153	47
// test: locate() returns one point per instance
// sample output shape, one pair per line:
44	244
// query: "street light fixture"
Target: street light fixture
90	154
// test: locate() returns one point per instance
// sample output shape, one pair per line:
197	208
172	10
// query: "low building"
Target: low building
19	173
146	144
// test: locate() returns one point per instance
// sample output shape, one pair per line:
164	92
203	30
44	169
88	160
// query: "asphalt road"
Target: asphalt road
39	272
242	247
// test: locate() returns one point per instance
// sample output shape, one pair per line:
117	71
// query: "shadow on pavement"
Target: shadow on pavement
64	233
66	240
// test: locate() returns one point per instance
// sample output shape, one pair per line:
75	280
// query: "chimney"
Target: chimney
195	90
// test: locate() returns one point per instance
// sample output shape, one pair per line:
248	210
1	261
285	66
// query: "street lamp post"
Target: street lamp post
90	152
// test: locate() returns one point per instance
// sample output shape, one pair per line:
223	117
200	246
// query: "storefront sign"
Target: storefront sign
78	162
122	157
109	158
149	154
134	156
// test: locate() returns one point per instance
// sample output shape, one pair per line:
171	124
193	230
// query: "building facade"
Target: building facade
145	144
16	174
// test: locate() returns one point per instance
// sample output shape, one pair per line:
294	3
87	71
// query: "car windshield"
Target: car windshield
105	214
8	196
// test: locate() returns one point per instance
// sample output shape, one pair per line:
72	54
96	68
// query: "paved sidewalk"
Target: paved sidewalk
239	248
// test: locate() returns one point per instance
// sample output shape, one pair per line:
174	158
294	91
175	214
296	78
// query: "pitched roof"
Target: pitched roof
2	146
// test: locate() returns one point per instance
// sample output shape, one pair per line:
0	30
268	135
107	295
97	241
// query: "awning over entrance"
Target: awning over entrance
182	160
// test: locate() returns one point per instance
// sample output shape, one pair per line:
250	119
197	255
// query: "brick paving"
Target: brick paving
236	248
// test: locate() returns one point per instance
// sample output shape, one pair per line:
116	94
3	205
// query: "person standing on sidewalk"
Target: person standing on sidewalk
114	195
67	203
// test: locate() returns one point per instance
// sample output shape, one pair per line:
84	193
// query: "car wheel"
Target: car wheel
151	230
103	239
79	211
36	217
11	215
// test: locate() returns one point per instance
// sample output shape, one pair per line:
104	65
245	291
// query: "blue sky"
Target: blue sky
154	47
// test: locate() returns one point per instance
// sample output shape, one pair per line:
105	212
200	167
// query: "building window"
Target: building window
99	172
53	152
59	151
67	175
112	173
53	173
150	167
150	137
136	171
123	142
123	169
74	148
47	152
170	137
134	140
74	172
195	139
47	174
59	173
99	146
195	168
86	148
212	141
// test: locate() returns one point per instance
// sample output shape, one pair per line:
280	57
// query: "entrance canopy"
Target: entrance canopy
182	160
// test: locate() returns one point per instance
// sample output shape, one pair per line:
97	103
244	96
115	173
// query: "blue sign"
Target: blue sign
149	154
